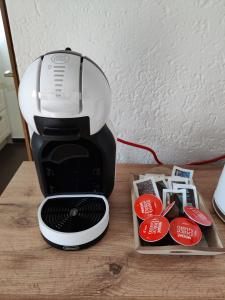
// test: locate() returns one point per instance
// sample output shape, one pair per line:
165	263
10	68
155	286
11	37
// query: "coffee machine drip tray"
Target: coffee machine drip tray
72	222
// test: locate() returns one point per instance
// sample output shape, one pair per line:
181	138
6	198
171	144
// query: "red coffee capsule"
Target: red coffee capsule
185	232
168	208
147	205
154	228
198	215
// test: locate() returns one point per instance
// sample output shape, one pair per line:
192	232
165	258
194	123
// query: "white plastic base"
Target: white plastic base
73	239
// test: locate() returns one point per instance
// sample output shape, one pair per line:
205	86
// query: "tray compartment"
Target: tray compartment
210	244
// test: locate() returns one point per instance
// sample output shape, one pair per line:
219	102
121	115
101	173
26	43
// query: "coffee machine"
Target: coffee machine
65	99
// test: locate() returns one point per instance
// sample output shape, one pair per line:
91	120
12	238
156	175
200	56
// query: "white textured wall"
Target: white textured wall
165	61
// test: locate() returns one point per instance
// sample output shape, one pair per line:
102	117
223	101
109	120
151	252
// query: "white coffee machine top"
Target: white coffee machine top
65	84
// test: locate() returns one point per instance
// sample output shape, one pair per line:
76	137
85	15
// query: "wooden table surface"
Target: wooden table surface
31	269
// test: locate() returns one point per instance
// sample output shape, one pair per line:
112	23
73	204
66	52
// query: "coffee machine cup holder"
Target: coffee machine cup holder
73	222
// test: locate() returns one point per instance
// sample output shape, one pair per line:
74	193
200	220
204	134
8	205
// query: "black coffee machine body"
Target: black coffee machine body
75	163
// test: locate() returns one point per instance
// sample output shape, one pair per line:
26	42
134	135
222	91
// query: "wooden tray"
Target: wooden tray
209	245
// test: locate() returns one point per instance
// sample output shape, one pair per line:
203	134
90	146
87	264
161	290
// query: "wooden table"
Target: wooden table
31	269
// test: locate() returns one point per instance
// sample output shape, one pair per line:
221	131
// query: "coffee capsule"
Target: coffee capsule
154	228
147	205
185	232
168	208
198	216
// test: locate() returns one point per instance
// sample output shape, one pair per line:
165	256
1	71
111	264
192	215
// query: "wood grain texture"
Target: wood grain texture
31	269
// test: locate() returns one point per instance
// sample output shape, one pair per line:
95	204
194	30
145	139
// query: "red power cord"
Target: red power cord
202	162
141	147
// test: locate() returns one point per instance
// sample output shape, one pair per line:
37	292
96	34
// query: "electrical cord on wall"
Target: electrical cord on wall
141	147
195	163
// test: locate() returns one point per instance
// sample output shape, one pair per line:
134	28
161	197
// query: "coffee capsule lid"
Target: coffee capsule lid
198	215
147	205
168	208
154	228
185	231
